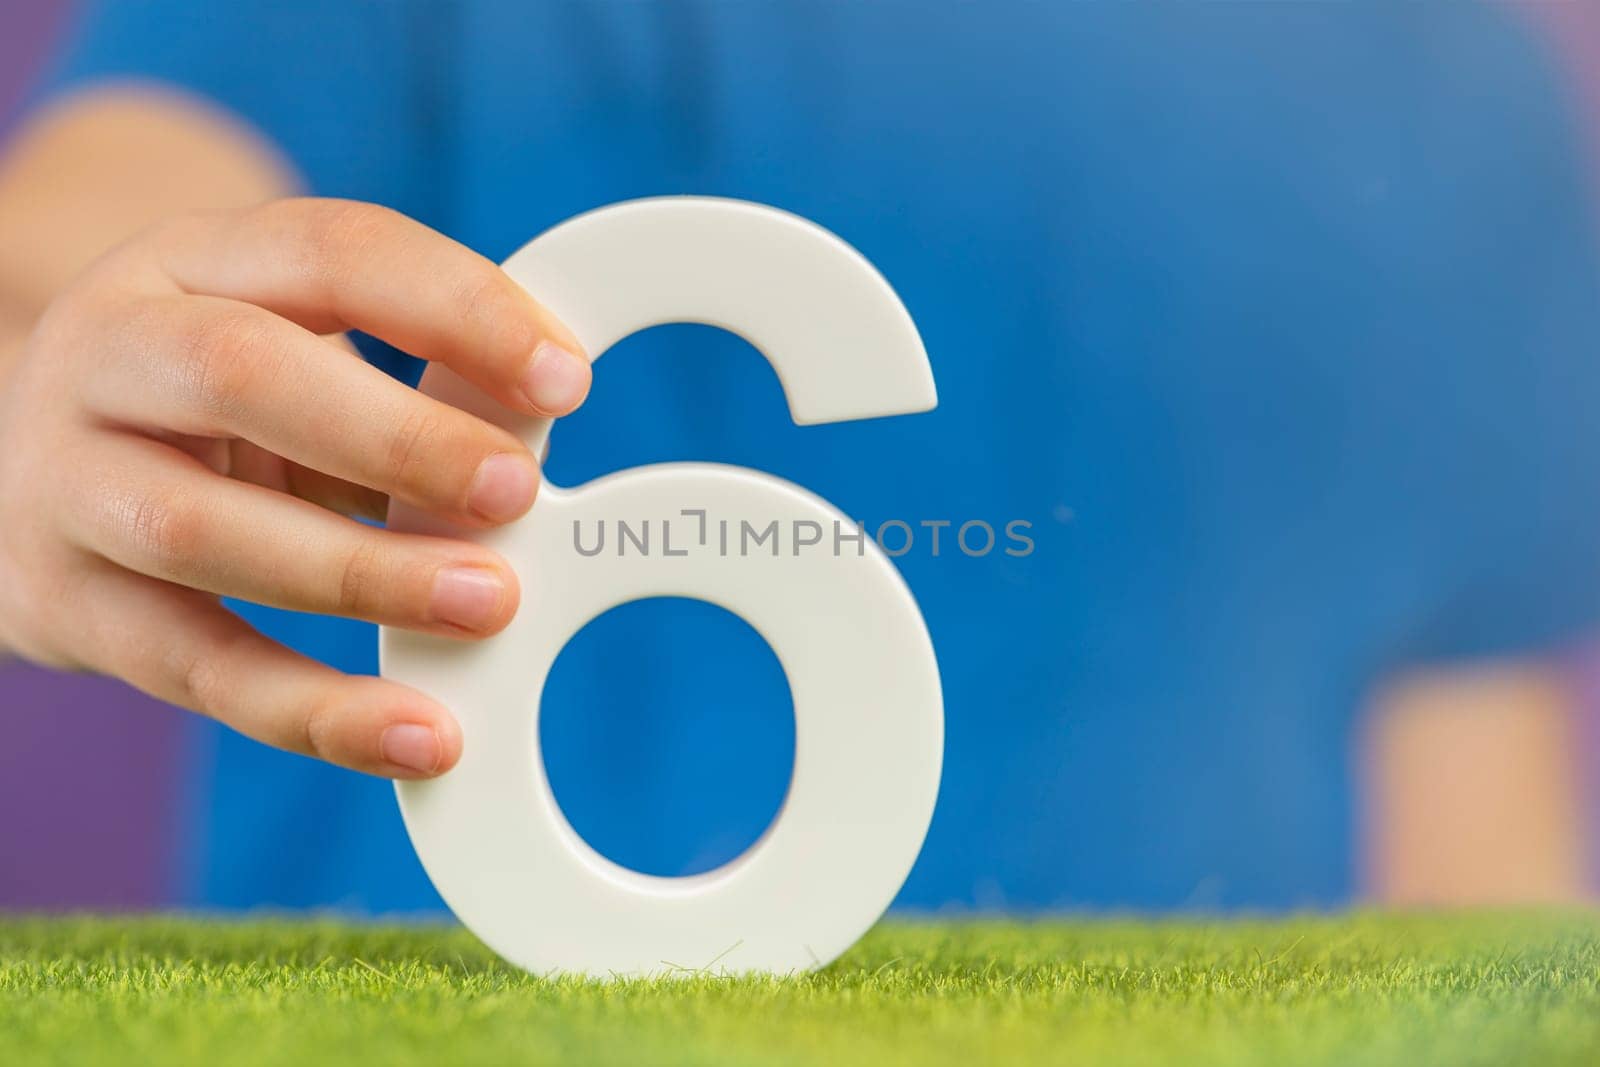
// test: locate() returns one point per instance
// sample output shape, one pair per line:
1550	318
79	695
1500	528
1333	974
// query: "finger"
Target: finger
337	495
248	462
251	463
157	511
183	647
339	264
214	367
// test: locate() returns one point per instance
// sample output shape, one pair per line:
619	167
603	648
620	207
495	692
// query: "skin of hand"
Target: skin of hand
181	424
1473	788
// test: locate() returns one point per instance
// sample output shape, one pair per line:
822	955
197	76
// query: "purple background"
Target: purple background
90	771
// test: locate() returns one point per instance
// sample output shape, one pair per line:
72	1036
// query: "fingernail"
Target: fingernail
556	381
503	488
468	597
411	746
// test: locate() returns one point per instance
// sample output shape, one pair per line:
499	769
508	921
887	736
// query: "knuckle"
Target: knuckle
318	721
200	674
331	236
39	611
415	438
222	357
362	580
496	311
165	531
200	684
339	225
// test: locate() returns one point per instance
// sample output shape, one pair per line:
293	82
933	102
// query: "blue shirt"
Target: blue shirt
1277	322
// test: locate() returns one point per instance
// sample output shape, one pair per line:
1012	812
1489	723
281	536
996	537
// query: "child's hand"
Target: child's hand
175	430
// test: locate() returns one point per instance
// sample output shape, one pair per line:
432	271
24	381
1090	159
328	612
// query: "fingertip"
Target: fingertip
450	743
512	599
412	749
439	749
504	487
404	735
419	750
553	329
557	379
475	600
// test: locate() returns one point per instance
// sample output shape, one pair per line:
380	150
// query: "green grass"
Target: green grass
1362	989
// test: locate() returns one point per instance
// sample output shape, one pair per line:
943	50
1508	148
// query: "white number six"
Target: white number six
869	718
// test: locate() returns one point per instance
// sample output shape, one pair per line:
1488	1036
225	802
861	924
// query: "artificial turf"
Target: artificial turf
1366	988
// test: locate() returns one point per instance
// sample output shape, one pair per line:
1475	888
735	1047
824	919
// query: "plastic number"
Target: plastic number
869	720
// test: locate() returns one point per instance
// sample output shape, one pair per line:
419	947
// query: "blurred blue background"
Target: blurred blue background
1278	323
